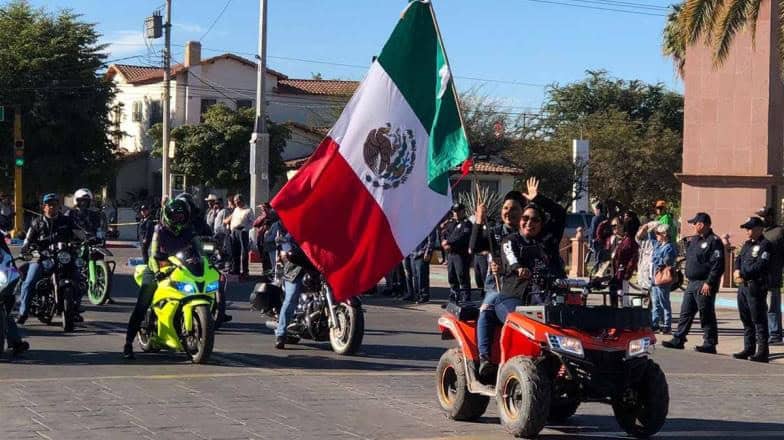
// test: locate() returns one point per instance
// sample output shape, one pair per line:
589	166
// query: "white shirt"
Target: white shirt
242	217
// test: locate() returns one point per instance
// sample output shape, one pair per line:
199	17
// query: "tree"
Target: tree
216	153
673	44
48	65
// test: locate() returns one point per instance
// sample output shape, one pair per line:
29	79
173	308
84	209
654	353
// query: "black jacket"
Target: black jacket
554	226
520	252
754	261
89	220
146	229
488	239
45	231
705	259
458	235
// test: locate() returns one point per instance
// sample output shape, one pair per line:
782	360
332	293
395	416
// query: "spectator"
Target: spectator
269	245
664	255
261	224
646	240
240	221
774	234
624	260
220	229
212	211
594	243
146	229
665	218
420	267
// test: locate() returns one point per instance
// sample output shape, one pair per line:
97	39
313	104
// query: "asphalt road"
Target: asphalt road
76	386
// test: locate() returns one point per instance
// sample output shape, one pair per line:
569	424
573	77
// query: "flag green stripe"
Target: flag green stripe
413	58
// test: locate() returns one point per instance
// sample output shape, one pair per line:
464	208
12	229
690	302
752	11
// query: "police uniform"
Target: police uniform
753	263
775	235
704	264
458	234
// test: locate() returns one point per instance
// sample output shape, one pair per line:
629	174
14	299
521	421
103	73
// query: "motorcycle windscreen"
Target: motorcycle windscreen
191	260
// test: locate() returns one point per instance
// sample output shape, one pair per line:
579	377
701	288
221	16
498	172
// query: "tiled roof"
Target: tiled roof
480	167
317	87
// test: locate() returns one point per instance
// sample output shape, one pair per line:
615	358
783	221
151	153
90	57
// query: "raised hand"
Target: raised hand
532	188
481	214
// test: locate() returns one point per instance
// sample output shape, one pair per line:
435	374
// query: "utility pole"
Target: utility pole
259	141
18	194
166	185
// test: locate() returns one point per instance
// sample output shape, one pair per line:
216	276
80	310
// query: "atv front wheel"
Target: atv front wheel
452	389
644	414
523	397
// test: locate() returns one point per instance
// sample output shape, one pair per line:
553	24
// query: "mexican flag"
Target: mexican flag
379	182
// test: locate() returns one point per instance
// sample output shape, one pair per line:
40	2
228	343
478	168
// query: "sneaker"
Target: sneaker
19	348
128	352
709	349
280	342
673	343
21	319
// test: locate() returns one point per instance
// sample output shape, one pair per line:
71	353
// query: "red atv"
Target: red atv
553	357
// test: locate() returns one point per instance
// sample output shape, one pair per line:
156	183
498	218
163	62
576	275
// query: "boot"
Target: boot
486	368
128	352
676	343
710	349
747	351
19	347
280	342
761	355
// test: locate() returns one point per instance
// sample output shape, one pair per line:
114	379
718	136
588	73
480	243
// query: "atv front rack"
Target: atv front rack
589	317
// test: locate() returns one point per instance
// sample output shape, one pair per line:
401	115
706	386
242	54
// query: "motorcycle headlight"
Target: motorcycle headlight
208	248
566	344
47	264
64	257
213	286
639	347
186	288
79	262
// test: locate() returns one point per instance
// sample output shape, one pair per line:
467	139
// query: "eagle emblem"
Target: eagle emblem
389	154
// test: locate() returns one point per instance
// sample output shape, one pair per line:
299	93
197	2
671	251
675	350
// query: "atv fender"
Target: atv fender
519	337
463	333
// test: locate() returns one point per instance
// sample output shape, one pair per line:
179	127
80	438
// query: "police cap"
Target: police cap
752	222
701	217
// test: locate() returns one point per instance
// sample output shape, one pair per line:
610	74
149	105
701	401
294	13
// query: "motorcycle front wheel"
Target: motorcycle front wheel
346	336
98	292
68	310
200	341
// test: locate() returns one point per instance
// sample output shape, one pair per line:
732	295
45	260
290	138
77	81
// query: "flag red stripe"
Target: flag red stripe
338	224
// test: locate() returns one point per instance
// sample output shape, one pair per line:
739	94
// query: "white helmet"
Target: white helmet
83	193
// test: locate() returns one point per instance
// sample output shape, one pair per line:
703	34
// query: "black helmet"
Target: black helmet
176	215
266	298
188	198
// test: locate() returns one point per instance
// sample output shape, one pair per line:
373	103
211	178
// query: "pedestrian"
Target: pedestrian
664	217
240	221
212	211
419	262
261	224
646	241
455	242
269	245
774	233
594	243
752	272
704	268
624	261
395	281
664	255
222	233
146	229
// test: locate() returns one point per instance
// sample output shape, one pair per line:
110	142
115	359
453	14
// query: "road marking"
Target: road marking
253	372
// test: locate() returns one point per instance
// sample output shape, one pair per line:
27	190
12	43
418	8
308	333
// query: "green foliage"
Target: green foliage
48	65
216	151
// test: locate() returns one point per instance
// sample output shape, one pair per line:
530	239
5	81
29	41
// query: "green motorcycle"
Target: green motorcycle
180	317
96	270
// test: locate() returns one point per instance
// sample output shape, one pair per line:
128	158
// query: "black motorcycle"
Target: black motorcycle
56	291
317	317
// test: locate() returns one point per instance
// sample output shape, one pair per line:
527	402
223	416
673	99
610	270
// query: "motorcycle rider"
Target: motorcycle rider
51	227
91	221
171	235
295	264
528	260
15	341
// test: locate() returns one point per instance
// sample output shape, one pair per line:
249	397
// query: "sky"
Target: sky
506	49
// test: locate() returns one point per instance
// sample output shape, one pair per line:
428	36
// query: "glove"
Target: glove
160	275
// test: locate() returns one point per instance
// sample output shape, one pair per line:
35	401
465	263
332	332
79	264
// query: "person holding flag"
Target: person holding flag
388	155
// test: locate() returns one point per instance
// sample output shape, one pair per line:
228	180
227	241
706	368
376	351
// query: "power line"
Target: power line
598	8
225	6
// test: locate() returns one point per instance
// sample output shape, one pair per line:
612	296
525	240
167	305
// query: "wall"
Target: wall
311	110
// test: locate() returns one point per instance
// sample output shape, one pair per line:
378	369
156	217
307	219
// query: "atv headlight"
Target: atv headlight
566	344
186	288
212	287
64	257
639	347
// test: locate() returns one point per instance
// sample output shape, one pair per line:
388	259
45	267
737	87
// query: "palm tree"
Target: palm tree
716	22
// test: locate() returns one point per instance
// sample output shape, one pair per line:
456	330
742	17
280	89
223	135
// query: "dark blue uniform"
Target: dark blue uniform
704	264
754	262
458	235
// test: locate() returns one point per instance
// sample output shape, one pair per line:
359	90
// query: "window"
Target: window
156	113
206	103
244	103
492	185
136	115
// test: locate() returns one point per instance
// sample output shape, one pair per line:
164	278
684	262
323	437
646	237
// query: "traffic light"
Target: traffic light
19	153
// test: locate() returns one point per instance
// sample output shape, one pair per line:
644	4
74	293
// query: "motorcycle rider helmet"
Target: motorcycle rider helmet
188	198
176	215
83	198
49	198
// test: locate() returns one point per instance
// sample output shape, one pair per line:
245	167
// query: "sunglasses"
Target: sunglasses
527	219
616	225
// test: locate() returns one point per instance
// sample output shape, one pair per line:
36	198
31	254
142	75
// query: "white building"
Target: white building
196	84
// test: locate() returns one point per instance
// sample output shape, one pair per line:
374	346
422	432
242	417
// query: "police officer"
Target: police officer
752	275
704	268
457	235
146	229
775	235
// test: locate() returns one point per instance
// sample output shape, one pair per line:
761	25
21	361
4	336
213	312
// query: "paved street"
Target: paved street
76	386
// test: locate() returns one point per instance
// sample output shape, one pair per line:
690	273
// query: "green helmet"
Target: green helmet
176	215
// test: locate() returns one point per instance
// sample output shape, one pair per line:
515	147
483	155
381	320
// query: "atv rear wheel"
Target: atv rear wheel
523	396
646	413
452	389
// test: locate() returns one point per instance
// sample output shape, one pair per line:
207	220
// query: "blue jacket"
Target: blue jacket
664	254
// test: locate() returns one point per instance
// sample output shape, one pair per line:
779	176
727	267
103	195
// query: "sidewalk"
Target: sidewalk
730	327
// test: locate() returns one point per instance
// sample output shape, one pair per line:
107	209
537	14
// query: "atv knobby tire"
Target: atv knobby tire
647	415
452	389
523	395
562	408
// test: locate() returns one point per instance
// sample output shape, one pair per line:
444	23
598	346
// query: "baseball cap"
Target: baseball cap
752	222
700	217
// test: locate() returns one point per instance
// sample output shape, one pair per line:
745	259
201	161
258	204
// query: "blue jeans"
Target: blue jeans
11	331
774	313
495	307
421	276
662	309
292	290
33	274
